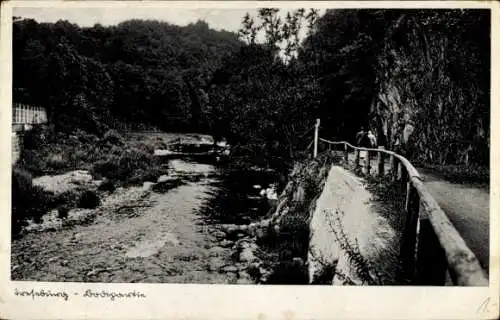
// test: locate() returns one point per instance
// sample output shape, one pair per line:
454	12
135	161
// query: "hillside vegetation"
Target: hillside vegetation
419	78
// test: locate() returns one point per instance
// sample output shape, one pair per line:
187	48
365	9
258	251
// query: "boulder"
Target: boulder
215	264
226	243
247	255
229	268
163	178
97	183
216	251
147	185
240	235
68	181
219	234
162	152
106	185
244	281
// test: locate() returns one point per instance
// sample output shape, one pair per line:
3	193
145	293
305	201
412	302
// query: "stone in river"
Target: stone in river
163	178
216	251
215	264
146	186
229	268
244	275
244	281
247	255
226	243
219	234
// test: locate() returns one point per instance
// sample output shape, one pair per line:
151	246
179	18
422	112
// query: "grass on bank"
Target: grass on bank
110	158
455	173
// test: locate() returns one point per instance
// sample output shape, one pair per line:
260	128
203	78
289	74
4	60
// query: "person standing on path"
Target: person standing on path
372	140
359	137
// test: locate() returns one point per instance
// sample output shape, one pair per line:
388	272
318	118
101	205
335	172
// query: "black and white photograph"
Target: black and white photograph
251	146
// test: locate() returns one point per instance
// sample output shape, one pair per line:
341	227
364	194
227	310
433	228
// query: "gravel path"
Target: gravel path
468	208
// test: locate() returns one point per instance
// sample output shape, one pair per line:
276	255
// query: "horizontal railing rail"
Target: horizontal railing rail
432	251
28	114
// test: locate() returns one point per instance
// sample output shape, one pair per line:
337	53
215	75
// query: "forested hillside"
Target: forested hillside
419	79
138	72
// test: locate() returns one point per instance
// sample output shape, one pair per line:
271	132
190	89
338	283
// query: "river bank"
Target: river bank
165	230
150	237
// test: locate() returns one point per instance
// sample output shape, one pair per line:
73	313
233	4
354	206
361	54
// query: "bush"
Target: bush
37	137
292	271
62	211
28	201
55	162
294	234
147	148
107	185
88	200
130	166
461	173
68	198
112	137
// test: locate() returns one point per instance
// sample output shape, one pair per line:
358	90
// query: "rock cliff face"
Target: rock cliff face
395	107
394	121
432	100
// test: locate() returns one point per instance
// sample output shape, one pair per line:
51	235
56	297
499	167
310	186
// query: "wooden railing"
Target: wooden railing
27	114
432	251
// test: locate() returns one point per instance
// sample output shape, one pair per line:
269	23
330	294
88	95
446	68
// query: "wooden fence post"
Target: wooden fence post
346	154
381	163
431	264
408	194
367	162
394	168
404	179
316	139
410	232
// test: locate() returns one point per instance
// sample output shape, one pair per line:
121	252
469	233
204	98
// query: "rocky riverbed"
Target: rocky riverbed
166	231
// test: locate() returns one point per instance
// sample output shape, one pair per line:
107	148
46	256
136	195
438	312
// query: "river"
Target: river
138	235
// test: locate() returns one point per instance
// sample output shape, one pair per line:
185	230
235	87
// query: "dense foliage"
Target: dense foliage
420	71
443	75
29	201
419	78
138	72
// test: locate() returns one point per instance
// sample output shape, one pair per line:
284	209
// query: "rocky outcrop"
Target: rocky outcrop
286	227
69	181
394	120
431	103
348	235
345	234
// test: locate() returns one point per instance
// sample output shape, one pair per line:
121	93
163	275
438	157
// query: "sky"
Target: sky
228	19
217	18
